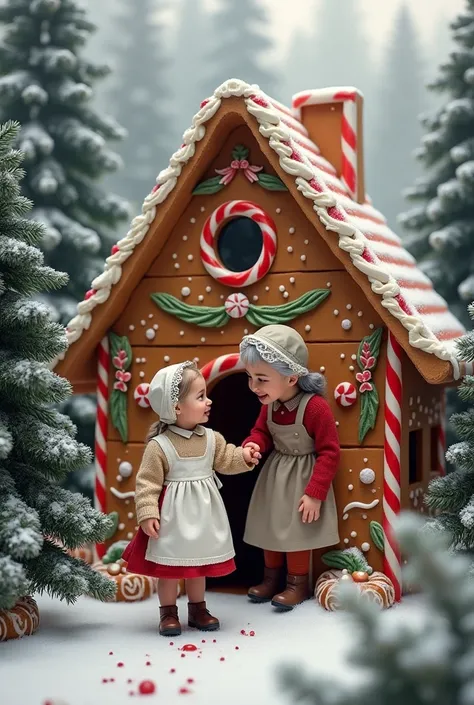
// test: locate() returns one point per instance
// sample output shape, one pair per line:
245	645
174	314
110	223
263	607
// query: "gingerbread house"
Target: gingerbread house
261	217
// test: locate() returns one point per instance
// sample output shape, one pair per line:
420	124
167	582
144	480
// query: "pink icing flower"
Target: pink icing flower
364	376
369	363
365	387
123	376
229	172
117	362
121	386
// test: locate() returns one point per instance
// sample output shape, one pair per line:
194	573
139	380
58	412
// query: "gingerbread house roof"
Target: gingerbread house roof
356	232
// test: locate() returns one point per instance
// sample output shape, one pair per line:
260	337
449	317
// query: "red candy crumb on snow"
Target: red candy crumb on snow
214	641
148	663
222	658
183	655
252	633
236	648
146	688
171	643
184	691
129	680
112	680
111	653
105	680
190	680
203	641
189	647
120	664
243	632
172	670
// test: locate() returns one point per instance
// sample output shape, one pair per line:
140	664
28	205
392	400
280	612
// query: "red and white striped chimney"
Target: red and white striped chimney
333	118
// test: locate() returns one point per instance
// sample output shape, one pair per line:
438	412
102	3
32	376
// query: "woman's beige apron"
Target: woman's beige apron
273	520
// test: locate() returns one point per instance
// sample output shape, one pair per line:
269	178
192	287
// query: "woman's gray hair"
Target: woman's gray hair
312	383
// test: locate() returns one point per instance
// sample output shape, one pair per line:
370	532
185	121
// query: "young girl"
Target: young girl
292	509
184	530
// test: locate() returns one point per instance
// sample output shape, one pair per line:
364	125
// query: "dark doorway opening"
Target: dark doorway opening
233	413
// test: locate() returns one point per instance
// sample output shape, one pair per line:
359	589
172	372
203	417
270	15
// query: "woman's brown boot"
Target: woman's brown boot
297	591
199	617
169	622
272	582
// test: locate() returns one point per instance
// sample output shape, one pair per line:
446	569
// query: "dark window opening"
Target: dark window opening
239	244
415	456
434	440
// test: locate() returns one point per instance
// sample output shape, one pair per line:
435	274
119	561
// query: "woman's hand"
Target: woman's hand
251	453
151	527
310	507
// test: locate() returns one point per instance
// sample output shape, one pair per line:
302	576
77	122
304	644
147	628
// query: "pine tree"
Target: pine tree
240	42
400	100
427	660
451	498
37	445
189	54
441	224
139	98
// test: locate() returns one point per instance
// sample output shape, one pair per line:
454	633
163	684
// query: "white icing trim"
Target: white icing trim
350	238
360	505
122	495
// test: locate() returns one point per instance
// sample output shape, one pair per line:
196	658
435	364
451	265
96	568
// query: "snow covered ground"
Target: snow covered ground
66	661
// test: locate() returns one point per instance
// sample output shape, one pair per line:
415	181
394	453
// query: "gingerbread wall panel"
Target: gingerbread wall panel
335	361
299	246
336	310
122	467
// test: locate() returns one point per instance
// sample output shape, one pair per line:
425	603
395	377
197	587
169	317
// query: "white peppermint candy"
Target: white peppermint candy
141	395
236	305
345	394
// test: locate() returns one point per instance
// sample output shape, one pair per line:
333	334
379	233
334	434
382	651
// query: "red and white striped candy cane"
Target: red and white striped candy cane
392	468
349	134
101	431
209	258
220	366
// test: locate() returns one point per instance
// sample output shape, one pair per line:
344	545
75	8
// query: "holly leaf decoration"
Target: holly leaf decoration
267	315
209	186
270	182
115	551
114	516
240	152
203	316
369	406
121	342
346	559
374	341
377	535
118	413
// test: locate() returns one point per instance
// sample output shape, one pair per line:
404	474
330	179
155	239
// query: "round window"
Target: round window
239	244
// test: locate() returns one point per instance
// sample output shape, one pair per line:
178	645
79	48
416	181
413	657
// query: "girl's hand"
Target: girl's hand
151	527
310	507
251	453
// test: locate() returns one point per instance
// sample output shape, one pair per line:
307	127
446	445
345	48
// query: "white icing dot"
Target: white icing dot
353	534
367	476
118	478
289	248
366	460
200	297
222	297
130	535
365	546
413	415
278	210
203	340
202	209
418	399
181	332
292	280
364	516
150	315
196	359
350	469
190	258
322	369
185	238
373	491
419	423
143	360
346	540
131	327
285	294
121	526
222	332
360	314
350	487
125	468
208	289
150	333
281	288
185	291
307	328
353	357
174	255
343	357
190	279
291	230
155	326
306	242
166	358
336	312
348	306
192	220
246	331
337	423
267	288
130	515
328	284
255	297
303	258
138	359
420	408
371	326
351	367
346	324
176	266
141	374
345	516
410	422
127	501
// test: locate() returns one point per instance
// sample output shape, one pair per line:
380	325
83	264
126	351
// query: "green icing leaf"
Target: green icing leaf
209	186
114	552
115	519
346	559
267	315
240	152
120	342
204	316
118	413
374	341
369	405
270	182
377	535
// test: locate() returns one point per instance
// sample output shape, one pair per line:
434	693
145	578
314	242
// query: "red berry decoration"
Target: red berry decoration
114	249
89	293
146	688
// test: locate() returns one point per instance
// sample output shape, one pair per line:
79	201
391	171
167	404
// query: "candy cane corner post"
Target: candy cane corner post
100	445
392	463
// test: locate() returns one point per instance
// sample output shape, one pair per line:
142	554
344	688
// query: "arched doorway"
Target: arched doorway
233	413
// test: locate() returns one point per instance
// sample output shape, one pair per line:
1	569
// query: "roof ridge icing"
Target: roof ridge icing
312	185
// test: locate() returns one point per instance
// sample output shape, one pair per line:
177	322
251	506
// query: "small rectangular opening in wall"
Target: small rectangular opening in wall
415	456
434	440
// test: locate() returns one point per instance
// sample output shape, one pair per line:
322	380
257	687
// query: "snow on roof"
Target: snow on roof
362	231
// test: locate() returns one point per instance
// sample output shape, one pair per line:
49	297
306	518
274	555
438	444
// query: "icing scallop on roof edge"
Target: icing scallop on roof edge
312	185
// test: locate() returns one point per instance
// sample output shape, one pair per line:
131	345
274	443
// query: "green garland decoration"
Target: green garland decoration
350	559
215	184
115	520
217	316
115	551
367	357
377	535
120	345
